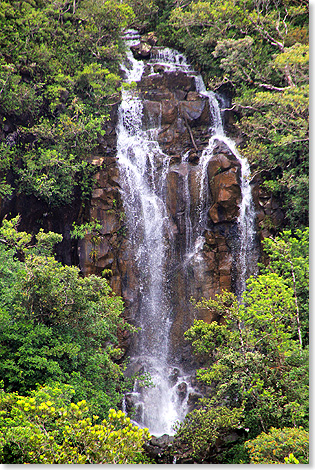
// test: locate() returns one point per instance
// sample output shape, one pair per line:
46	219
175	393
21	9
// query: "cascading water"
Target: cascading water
143	168
246	256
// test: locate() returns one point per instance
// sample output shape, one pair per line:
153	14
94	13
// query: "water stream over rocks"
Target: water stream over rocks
169	232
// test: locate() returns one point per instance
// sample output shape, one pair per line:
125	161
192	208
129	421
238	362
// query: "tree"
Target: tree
56	325
251	360
48	428
58	83
289	257
202	429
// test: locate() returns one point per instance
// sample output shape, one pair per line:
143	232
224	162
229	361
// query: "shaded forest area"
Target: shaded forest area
61	368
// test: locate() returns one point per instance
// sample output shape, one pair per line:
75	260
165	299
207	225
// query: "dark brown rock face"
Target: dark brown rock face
172	98
269	214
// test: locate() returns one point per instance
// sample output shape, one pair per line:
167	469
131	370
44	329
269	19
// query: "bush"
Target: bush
287	445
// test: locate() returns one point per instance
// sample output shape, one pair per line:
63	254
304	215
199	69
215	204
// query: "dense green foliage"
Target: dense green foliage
203	427
47	428
58	345
58	80
255	361
56	325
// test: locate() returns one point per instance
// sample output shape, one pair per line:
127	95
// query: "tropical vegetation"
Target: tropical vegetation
61	367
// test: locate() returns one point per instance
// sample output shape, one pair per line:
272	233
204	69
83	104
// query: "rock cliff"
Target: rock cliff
182	116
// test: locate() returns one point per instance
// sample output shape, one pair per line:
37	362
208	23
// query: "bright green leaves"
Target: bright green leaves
49	175
279	446
80	231
206	337
48	429
289	257
268	313
296	58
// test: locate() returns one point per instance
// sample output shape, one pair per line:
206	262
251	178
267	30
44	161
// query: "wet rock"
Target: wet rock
193	399
158	68
180	95
134	368
175	203
193	96
195	111
179	80
169	112
173	377
150	38
170	81
152	82
193	157
221	147
181	391
220	163
226	193
141	50
151	113
137	412
131	399
158	449
156	94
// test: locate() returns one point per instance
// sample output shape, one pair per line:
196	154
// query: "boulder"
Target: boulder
141	50
195	111
221	162
173	377
169	111
150	38
179	80
158	449
181	391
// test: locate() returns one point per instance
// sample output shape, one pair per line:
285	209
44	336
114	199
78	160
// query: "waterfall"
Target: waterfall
143	168
246	256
